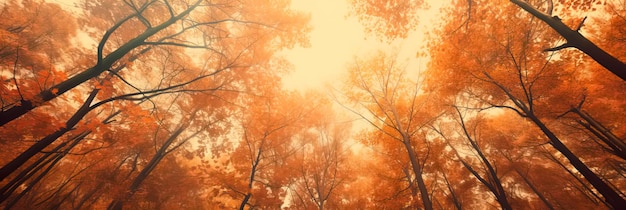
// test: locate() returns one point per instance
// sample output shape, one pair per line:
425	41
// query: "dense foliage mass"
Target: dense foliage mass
176	104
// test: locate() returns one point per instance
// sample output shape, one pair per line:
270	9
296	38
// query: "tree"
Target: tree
500	71
28	65
321	170
122	99
395	18
392	105
168	146
33	47
158	32
255	174
103	63
168	104
387	19
573	37
490	177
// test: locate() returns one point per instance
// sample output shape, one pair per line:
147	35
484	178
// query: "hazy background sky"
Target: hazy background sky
337	38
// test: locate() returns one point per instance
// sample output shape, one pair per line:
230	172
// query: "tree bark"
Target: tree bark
53	161
534	189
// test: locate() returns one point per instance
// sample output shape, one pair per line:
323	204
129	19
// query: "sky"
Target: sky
337	38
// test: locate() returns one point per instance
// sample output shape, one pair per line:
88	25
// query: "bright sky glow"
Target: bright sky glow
337	39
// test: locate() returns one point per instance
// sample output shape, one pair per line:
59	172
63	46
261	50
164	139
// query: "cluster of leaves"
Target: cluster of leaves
111	113
168	104
513	122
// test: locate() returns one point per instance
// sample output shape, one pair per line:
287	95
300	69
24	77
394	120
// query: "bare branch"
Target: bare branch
177	44
580	25
560	47
113	28
169	8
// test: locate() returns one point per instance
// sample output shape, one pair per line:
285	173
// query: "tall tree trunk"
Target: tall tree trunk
17	162
53	163
417	169
409	178
36	166
245	201
498	192
88	195
526	111
535	190
612	197
49	160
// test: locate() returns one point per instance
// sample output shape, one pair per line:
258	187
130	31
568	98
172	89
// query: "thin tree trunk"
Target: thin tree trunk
410	180
28	172
54	160
531	185
500	196
88	195
117	204
36	166
498	190
587	192
602	133
246	198
535	190
455	200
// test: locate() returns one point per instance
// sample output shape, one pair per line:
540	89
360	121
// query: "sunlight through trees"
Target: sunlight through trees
177	104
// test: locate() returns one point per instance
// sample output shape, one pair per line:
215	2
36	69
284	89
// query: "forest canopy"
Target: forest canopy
182	104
